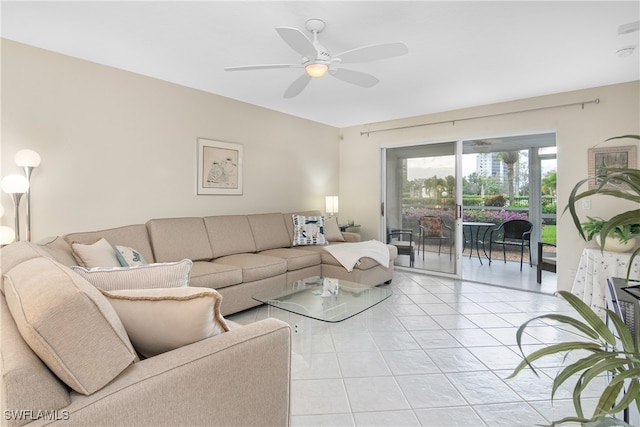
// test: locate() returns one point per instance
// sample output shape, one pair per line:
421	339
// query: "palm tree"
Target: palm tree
510	158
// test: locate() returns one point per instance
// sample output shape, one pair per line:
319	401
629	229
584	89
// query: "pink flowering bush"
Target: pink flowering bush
411	216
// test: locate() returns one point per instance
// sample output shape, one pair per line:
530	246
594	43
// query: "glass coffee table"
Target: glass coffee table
305	298
305	306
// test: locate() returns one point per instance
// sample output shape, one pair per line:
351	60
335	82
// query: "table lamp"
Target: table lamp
331	205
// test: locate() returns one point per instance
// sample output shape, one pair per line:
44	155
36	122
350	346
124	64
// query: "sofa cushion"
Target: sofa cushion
296	258
174	239
31	384
129	257
205	274
160	320
98	254
308	230
134	236
60	250
16	253
332	231
229	234
269	231
255	266
157	275
68	323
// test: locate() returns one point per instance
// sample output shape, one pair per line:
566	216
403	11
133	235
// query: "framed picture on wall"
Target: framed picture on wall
219	167
610	157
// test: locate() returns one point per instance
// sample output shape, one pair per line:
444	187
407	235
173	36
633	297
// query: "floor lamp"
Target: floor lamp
7	235
15	185
28	160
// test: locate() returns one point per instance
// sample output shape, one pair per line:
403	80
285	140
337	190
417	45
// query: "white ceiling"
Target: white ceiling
461	54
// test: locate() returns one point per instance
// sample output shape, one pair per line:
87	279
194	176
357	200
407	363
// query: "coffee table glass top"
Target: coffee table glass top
304	297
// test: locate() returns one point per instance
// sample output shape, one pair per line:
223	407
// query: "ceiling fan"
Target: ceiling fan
317	61
481	146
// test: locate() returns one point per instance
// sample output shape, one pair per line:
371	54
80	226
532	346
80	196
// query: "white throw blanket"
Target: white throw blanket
349	254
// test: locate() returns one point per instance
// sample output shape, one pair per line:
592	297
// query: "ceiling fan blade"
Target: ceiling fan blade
355	77
297	86
297	41
373	52
262	67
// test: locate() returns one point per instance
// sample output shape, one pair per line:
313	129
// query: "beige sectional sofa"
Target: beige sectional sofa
237	255
66	359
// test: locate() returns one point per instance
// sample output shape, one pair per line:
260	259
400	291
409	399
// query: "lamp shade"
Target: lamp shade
7	235
28	158
316	69
14	184
331	204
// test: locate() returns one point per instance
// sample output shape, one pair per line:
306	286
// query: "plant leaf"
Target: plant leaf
607	400
553	349
623	332
580	365
585	329
623	136
604	365
589	316
628	397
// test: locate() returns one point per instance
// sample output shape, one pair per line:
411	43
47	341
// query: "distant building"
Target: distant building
488	164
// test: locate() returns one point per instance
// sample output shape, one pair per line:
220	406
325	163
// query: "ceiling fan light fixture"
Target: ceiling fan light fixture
316	69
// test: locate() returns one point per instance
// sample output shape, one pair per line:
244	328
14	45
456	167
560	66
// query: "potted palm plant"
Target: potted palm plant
604	349
620	238
622	183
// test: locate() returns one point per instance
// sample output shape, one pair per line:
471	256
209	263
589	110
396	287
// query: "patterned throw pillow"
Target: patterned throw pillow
308	230
129	257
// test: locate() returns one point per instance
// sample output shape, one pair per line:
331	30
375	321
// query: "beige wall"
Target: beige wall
577	129
118	148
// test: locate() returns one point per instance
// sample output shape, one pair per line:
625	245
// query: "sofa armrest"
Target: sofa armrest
241	377
350	237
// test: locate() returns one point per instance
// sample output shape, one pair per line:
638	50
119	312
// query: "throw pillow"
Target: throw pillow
434	226
308	230
160	320
99	254
158	275
128	257
68	323
332	231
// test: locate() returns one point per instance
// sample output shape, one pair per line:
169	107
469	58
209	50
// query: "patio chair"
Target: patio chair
434	228
514	232
546	259
397	237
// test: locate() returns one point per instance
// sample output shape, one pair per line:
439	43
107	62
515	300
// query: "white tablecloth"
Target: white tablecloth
595	266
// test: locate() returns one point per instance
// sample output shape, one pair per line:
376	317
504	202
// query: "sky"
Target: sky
442	166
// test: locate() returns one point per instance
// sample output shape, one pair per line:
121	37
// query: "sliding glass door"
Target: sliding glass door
419	207
423	206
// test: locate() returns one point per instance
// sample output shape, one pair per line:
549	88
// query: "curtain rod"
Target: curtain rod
453	121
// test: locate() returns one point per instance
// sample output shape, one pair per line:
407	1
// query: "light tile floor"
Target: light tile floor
436	353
